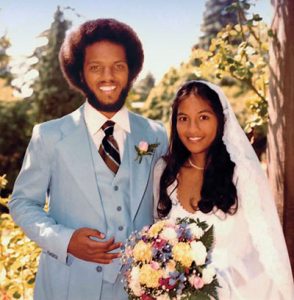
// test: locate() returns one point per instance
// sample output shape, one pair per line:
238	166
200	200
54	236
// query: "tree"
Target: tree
281	112
5	73
52	96
4	59
216	16
144	86
139	93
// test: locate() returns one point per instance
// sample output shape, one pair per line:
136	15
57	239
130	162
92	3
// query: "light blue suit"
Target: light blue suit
62	161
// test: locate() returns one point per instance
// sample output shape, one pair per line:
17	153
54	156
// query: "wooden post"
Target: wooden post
281	114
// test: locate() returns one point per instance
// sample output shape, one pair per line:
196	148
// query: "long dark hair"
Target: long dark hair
218	188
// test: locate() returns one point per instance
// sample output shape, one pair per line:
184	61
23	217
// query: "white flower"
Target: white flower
135	273
208	274
169	234
136	288
198	253
196	231
134	282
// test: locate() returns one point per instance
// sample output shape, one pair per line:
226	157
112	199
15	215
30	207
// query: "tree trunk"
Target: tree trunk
281	115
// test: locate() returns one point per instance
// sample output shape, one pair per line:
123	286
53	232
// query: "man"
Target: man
98	192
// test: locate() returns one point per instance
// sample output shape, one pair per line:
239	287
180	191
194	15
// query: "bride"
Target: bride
212	173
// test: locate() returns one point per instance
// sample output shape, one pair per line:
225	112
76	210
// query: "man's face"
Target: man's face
106	74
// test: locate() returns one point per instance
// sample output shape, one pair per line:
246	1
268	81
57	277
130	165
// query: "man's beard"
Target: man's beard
110	107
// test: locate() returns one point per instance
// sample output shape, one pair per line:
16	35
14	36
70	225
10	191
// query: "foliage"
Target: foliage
215	17
52	97
16	121
139	93
4	59
18	258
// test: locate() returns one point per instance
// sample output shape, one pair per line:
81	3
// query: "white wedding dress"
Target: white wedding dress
239	270
249	251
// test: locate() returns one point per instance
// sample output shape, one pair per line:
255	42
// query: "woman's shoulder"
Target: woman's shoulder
159	167
161	163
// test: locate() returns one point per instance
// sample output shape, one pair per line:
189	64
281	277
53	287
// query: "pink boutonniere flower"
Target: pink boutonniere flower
145	149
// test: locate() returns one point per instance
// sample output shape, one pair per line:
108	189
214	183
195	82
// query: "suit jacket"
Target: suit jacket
58	162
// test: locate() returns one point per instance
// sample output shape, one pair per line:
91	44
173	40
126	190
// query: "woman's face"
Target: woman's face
196	124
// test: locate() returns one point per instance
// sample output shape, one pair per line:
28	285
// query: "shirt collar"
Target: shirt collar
94	119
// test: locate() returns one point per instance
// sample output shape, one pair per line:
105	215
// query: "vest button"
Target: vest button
99	269
115	188
118	208
120	228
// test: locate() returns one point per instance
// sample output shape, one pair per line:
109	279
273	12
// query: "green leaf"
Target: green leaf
16	295
31	281
270	33
199	296
211	289
207	238
203	225
257	17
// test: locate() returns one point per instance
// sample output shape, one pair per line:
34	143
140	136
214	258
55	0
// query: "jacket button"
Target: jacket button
99	269
115	188
118	208
120	228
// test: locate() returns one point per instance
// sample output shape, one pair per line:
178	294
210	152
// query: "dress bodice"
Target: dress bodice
223	223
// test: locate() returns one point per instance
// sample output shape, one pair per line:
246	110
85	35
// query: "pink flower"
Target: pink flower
154	265
196	281
143	146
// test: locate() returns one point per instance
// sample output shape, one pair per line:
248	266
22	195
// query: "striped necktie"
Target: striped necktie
109	149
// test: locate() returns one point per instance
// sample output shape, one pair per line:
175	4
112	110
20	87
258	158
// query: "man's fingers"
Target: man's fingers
106	258
103	246
94	233
114	246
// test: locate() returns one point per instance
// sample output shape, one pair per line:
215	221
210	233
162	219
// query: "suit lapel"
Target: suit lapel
76	148
139	172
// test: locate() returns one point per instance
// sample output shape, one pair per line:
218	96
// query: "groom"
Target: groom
85	164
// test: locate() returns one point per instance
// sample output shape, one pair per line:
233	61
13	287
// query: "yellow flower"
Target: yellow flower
156	228
142	252
182	253
149	276
3	181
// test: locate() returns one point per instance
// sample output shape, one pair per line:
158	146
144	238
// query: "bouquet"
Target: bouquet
169	260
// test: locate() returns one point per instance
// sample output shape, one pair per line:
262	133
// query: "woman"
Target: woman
212	173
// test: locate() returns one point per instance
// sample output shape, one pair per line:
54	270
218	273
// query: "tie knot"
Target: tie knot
108	127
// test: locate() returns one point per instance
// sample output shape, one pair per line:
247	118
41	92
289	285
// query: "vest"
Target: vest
115	194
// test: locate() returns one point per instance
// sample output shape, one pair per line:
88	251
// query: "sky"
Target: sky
168	29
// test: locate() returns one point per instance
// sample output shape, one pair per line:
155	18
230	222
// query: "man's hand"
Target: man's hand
83	246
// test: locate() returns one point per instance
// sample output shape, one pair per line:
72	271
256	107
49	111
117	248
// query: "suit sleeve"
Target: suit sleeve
29	198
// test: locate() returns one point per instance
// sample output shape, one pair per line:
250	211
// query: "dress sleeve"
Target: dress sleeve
158	169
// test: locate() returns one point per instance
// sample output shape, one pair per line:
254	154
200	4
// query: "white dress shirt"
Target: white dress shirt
94	121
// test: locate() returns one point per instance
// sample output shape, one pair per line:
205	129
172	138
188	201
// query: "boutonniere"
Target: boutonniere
145	149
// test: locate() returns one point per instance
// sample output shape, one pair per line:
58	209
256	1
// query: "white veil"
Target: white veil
256	203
